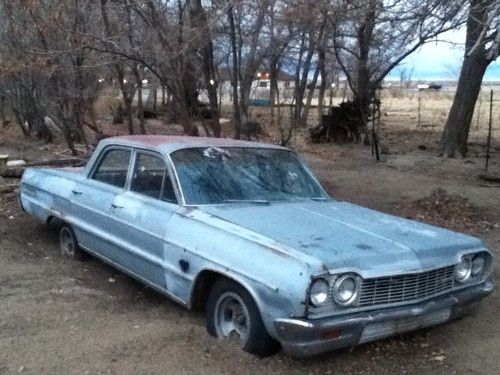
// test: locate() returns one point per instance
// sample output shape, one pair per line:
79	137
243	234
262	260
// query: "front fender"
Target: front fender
277	281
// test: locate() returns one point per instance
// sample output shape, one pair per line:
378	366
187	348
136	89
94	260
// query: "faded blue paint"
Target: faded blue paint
273	250
352	238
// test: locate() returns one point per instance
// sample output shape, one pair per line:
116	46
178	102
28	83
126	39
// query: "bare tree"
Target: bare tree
312	37
53	53
281	34
235	73
248	46
42	44
374	36
124	80
200	26
482	46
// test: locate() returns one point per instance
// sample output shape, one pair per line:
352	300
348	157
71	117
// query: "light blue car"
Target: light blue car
244	231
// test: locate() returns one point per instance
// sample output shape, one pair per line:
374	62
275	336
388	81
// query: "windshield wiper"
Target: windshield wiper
256	201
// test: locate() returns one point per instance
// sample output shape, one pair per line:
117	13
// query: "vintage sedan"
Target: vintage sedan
245	231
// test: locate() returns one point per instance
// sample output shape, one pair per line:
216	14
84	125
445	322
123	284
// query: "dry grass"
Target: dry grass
107	104
448	210
399	119
434	108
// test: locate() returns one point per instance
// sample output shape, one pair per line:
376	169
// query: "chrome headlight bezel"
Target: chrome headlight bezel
355	281
463	269
319	292
479	266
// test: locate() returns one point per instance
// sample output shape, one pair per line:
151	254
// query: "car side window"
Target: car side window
150	177
113	168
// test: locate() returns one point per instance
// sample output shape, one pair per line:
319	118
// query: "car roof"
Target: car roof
168	144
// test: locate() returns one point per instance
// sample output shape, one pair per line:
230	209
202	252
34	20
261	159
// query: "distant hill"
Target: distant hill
424	73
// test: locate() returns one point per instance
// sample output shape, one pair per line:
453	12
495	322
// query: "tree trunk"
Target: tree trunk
199	21
322	86
184	117
364	91
135	70
456	130
140	106
299	100
363	95
253	58
314	40
310	94
2	110
234	75
20	122
65	117
297	78
129	115
273	91
155	99
120	72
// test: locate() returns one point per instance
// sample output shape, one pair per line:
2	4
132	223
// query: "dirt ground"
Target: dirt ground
61	316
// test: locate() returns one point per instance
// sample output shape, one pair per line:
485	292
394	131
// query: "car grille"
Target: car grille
405	288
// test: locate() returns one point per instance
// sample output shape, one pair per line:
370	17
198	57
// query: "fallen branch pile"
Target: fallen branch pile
17	171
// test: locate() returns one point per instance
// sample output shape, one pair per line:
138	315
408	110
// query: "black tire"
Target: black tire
224	299
69	244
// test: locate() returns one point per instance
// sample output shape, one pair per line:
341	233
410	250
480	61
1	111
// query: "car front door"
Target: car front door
141	214
92	202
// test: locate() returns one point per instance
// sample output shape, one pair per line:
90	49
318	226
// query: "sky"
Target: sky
441	60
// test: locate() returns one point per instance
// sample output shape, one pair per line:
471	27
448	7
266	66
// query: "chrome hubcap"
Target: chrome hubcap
66	242
231	318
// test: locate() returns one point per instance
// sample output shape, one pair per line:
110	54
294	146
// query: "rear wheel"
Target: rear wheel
68	243
233	315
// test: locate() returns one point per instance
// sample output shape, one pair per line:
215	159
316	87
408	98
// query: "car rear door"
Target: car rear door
141	214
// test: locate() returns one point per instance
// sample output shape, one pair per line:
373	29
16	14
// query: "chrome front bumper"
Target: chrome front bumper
303	337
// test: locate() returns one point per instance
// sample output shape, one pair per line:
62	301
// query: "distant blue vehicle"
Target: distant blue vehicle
246	232
260	102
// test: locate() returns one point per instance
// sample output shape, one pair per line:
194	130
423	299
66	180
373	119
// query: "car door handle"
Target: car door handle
76	192
116	206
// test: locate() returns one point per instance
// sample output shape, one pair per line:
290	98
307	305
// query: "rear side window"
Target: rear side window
113	168
150	177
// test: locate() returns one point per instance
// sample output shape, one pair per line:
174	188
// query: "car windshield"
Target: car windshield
215	175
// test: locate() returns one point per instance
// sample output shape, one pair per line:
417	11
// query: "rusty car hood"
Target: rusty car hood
344	236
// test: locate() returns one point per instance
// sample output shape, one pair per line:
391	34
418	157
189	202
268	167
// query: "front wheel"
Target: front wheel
232	314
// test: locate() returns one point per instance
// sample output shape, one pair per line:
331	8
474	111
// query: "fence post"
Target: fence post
419	107
490	124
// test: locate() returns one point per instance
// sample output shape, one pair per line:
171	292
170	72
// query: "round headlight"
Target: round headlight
463	270
319	292
345	290
477	265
